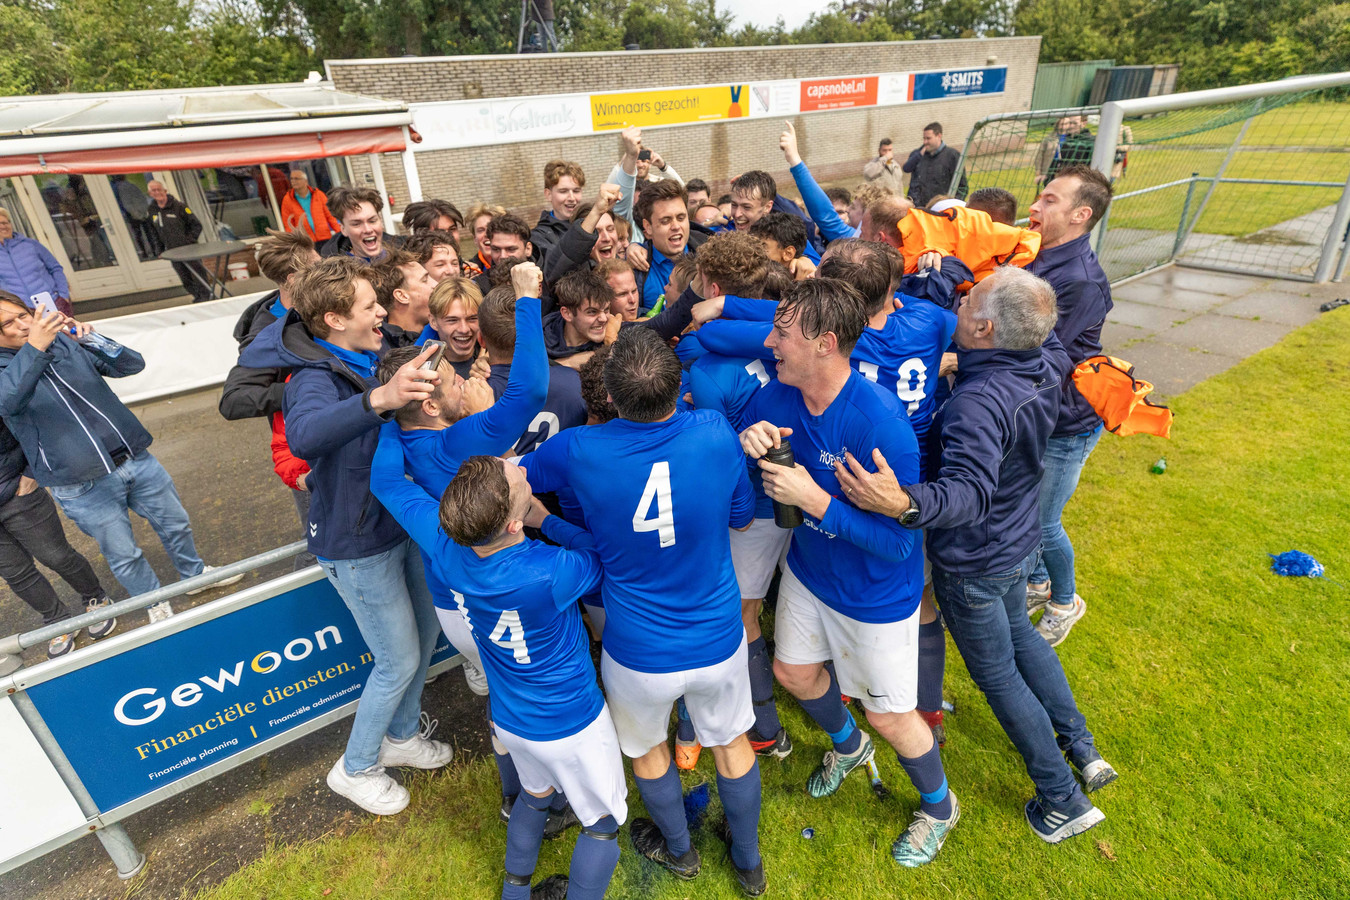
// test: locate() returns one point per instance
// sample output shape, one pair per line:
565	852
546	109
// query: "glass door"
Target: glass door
89	223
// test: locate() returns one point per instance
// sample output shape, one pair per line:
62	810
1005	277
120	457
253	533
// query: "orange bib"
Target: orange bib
1109	385
969	235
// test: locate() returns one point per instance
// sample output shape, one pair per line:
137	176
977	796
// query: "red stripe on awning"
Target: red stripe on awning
206	154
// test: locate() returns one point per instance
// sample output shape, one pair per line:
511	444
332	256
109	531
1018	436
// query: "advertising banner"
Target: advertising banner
674	106
775	98
154	714
838	93
958	83
480	123
35	804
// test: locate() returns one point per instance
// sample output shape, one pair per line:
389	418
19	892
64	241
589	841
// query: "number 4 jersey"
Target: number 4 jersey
658	498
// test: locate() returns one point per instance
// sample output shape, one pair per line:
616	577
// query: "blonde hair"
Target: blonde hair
456	287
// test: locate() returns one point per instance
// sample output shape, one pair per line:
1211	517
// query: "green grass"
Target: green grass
1215	687
1234	209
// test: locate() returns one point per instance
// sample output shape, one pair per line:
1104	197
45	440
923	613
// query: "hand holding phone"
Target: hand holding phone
434	361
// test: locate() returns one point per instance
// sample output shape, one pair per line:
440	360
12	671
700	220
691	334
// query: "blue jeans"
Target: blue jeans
1018	672
99	508
388	597
1064	461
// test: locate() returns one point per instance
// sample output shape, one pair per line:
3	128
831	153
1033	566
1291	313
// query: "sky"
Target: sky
758	12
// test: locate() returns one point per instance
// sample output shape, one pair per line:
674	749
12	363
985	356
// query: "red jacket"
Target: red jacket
293	216
288	467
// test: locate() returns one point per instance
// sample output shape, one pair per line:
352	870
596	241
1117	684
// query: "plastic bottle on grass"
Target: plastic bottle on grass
1160	466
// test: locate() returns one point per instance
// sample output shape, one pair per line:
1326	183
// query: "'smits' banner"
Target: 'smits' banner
140	720
485	123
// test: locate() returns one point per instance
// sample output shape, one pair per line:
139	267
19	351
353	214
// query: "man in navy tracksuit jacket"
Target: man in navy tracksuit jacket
1064	214
981	513
334	407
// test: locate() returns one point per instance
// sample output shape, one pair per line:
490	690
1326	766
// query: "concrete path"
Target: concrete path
1180	326
1177	326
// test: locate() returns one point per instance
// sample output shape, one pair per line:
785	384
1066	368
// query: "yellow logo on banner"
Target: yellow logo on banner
610	112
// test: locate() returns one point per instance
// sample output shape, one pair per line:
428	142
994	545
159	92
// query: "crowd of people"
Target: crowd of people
626	427
621	431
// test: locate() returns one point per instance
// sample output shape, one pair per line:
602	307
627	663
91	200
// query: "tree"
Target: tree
33	61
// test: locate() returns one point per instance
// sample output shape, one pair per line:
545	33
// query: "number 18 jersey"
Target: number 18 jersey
658	498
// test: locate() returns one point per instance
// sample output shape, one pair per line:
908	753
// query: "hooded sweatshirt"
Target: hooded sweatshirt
330	425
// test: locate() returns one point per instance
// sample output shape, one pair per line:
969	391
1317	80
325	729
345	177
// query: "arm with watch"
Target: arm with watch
962	493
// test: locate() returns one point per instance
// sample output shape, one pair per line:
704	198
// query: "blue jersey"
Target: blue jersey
658	498
521	606
903	356
688	350
862	564
726	384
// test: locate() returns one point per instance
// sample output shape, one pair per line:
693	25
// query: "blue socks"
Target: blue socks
664	799
593	860
829	713
741	801
932	662
684	726
927	776
767	724
524	836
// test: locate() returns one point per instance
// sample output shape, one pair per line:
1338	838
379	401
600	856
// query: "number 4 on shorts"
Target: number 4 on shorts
658	490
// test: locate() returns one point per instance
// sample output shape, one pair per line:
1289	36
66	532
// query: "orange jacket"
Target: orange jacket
969	235
293	215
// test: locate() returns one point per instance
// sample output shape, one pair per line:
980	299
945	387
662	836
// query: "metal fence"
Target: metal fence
1253	179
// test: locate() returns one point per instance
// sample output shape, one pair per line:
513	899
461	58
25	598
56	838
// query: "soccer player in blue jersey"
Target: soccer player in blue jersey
733	264
519	598
851	589
437	436
659	488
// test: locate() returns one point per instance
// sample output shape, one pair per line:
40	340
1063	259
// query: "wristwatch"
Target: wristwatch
910	517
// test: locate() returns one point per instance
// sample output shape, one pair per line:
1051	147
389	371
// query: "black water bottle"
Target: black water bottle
784	516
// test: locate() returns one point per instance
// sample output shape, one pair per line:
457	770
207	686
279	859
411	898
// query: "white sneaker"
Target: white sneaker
160	611
1054	626
375	792
476	679
417	751
219	584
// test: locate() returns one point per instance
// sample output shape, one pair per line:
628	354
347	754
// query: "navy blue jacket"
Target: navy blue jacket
563	406
1083	295
64	414
982	511
331	426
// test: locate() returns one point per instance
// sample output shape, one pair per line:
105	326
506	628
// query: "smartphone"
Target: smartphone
645	155
42	302
434	361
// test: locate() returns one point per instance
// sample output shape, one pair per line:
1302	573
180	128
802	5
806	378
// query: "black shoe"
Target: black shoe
752	881
560	821
778	746
554	887
505	813
648	841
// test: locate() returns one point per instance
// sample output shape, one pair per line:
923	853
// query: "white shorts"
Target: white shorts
586	767
754	554
717	697
878	663
457	632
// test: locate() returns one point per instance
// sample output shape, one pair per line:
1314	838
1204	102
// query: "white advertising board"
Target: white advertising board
35	804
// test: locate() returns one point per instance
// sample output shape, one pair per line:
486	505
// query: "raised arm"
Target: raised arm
818	205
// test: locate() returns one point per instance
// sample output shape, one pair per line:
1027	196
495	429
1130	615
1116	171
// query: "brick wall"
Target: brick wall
834	144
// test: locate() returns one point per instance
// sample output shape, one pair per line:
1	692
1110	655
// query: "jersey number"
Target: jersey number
910	369
508	626
658	490
756	368
544	426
